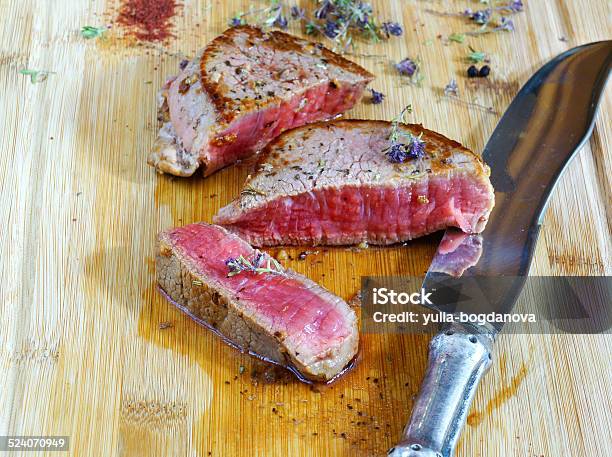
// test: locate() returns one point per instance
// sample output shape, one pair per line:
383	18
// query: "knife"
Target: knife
547	122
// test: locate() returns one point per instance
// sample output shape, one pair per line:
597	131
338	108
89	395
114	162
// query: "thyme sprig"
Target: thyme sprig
259	265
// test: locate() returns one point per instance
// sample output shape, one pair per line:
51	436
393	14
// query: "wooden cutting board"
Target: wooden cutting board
89	349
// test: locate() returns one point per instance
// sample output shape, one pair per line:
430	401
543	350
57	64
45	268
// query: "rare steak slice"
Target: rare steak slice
333	183
244	89
253	302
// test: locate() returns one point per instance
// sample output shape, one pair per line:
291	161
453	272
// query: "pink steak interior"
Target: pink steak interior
385	213
255	130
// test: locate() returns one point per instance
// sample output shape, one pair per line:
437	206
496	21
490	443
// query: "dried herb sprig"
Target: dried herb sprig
342	21
345	20
451	91
494	18
504	24
259	265
404	145
451	88
401	118
36	76
273	15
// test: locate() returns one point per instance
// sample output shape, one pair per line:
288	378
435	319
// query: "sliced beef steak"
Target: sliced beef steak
331	183
244	89
281	315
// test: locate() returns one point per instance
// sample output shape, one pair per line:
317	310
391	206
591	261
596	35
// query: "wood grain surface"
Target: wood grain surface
89	349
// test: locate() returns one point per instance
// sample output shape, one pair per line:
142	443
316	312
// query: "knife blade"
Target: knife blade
548	121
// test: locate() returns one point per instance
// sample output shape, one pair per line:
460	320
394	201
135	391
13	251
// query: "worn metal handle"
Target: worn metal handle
458	358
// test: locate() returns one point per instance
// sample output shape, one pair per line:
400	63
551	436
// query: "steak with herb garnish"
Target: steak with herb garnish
253	302
244	89
336	183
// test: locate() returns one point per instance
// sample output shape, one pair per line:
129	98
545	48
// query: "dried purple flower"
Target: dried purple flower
236	21
406	67
298	13
363	21
183	64
364	9
451	88
515	6
400	152
235	265
322	11
416	147
397	153
392	28
281	22
258	259
331	29
505	24
377	97
482	16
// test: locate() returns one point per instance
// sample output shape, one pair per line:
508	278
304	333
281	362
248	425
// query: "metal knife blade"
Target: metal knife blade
543	128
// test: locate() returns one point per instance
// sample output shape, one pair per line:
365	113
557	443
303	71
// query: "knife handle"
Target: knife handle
458	358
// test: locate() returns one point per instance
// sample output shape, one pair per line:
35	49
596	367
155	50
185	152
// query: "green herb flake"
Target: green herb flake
457	37
476	56
311	28
89	32
36	76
